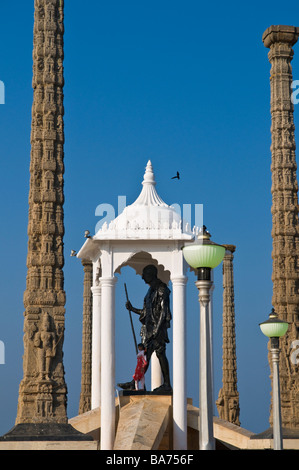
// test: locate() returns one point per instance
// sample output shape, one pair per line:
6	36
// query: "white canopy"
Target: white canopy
146	232
149	217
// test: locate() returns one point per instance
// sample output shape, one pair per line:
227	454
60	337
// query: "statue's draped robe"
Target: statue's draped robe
155	318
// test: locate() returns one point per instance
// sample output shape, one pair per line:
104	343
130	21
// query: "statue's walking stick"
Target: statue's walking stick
131	322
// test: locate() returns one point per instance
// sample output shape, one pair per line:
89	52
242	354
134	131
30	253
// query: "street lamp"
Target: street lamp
274	328
205	255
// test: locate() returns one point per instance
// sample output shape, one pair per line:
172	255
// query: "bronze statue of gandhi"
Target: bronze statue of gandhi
155	317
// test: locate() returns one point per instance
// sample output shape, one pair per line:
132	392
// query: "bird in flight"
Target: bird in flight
177	176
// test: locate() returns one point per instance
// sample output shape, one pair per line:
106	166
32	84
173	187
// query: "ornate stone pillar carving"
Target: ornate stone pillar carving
228	399
285	231
85	396
42	394
96	337
42	403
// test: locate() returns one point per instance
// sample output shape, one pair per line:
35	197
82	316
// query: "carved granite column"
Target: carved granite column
42	404
228	399
285	231
42	394
85	396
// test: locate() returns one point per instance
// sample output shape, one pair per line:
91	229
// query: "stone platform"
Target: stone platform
52	436
144	422
49	445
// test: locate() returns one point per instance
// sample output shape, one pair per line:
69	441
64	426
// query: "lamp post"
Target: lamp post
274	328
204	255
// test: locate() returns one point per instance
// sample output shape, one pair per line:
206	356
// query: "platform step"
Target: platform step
142	425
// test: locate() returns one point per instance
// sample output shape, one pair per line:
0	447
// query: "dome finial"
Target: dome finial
149	177
148	195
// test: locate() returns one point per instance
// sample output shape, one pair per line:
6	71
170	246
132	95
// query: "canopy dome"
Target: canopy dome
148	217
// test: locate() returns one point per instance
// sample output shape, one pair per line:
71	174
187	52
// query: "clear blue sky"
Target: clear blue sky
185	84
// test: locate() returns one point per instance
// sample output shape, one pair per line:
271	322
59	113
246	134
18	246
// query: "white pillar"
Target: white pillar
179	363
277	426
206	438
213	403
156	372
96	348
108	363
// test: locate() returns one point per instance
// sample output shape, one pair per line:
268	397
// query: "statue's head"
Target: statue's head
149	273
46	321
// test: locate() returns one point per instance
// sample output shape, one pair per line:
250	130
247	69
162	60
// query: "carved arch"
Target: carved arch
138	260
